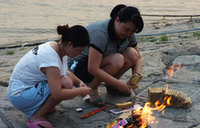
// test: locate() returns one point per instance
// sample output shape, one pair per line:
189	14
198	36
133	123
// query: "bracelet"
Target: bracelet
138	73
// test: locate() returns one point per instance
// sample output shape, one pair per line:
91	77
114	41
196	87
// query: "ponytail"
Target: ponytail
77	34
116	10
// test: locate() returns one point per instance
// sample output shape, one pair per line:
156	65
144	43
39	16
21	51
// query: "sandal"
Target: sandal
37	124
97	101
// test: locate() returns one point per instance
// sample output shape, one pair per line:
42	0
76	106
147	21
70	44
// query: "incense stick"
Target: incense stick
93	112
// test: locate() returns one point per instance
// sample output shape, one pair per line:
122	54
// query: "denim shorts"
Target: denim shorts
30	101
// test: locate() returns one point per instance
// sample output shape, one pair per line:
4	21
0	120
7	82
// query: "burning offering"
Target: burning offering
158	99
178	99
141	117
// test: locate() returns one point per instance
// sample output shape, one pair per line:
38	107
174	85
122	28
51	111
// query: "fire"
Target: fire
143	117
178	67
170	73
146	113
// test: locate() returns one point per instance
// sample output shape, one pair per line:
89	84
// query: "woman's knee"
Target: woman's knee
66	82
113	63
117	61
131	56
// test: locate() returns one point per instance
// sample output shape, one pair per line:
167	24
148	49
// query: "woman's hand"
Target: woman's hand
85	91
134	80
123	86
82	84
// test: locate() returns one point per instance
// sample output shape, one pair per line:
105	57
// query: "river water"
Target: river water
31	20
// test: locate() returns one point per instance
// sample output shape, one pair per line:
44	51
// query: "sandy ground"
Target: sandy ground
158	52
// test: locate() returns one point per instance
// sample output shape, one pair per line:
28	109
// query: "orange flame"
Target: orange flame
146	113
169	101
178	67
170	73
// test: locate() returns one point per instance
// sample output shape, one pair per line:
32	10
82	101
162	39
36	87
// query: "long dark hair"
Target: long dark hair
116	9
77	34
127	14
130	13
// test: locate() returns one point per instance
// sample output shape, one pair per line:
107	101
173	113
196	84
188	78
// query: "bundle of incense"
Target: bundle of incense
134	80
125	105
93	112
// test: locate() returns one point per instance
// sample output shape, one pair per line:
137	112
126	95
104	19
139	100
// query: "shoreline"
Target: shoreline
11	54
155	26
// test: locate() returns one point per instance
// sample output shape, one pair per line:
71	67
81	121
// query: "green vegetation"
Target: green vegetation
164	38
10	52
22	48
196	34
183	37
151	39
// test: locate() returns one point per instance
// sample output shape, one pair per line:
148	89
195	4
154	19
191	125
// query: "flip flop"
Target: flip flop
37	124
98	103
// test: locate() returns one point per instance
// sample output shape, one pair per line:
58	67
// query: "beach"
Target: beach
158	52
32	20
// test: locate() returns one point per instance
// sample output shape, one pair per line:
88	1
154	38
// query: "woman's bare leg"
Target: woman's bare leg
66	82
40	114
130	61
110	64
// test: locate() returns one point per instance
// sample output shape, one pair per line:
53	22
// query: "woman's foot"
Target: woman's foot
53	110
